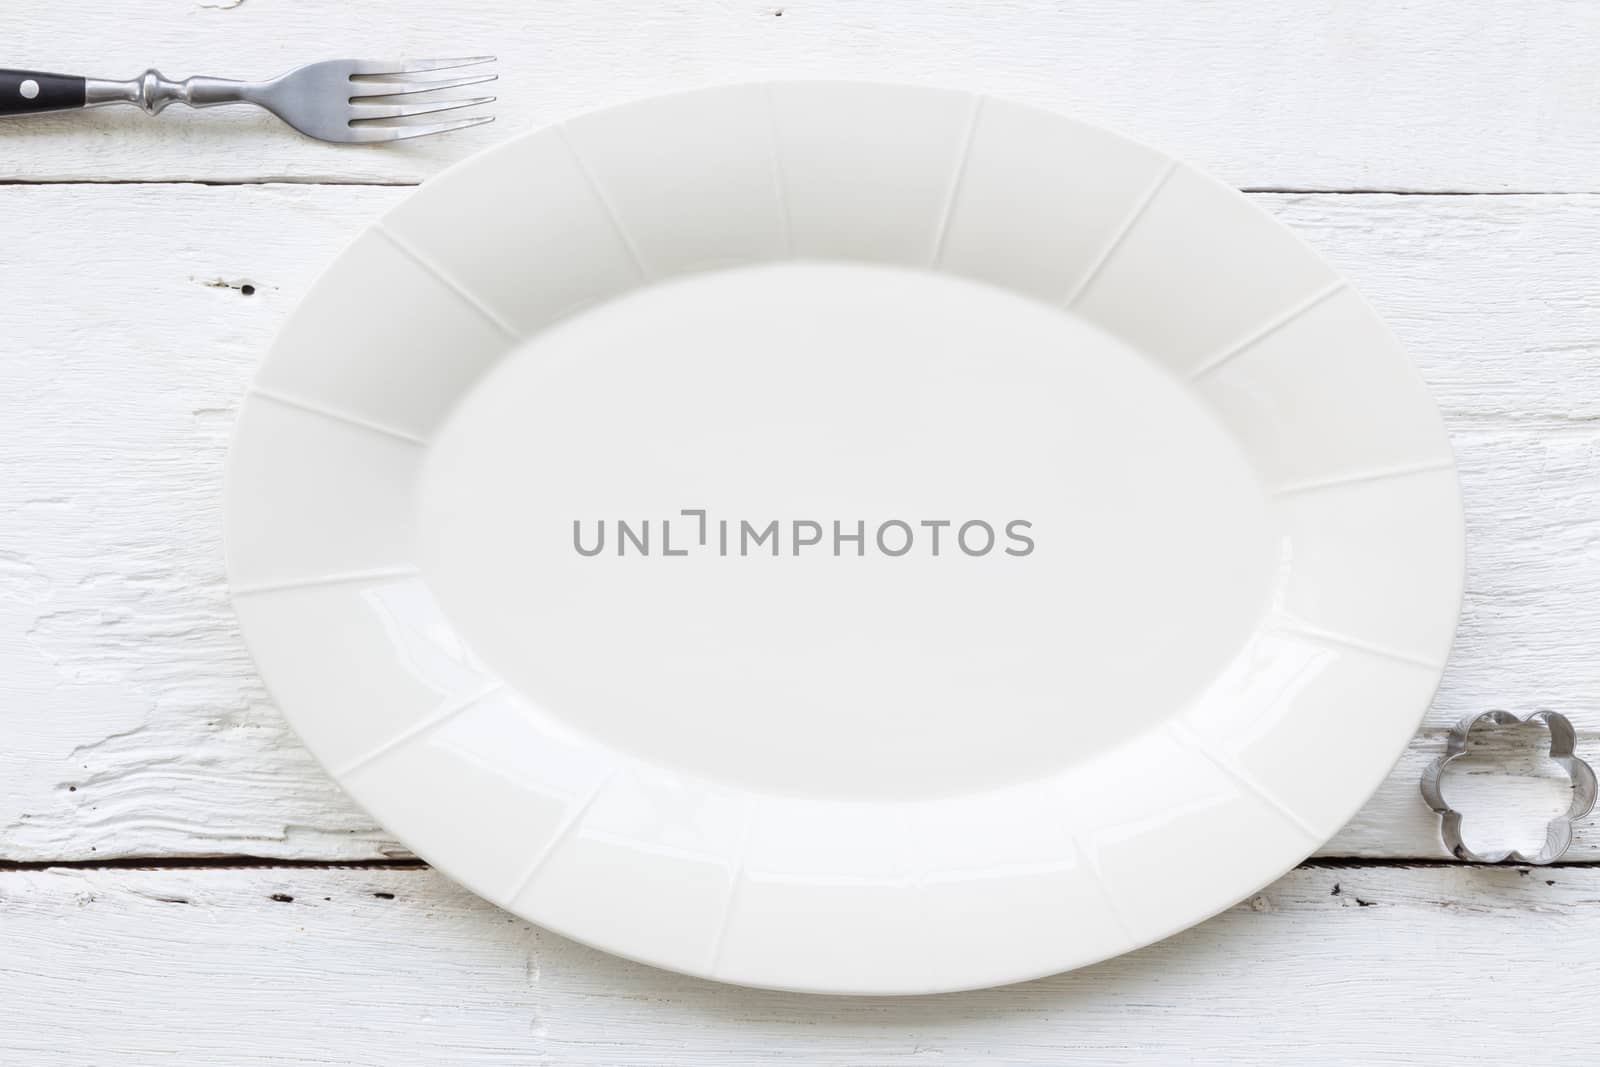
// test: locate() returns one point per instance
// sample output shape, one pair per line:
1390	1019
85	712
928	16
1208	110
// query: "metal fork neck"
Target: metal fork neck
153	92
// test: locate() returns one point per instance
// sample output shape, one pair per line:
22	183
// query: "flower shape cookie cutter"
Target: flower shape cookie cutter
1558	835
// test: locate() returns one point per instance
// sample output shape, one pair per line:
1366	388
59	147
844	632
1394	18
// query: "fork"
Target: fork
343	100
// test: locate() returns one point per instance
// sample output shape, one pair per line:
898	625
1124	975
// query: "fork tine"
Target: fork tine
400	66
366	112
405	133
368	90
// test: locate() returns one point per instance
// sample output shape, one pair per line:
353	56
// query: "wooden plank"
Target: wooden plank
321	967
1440	94
136	725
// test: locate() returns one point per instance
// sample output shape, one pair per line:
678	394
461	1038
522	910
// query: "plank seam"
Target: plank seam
246	862
370	183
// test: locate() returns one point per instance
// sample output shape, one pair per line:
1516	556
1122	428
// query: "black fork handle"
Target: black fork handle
29	92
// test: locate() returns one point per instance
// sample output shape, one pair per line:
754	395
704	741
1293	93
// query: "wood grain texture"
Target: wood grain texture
1430	94
136	725
252	968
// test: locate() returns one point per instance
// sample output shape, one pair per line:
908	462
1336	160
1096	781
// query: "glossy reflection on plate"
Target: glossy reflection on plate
845	537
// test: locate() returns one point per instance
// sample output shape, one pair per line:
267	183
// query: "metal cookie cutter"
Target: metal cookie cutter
1558	835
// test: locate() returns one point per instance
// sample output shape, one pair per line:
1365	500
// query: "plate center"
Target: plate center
841	530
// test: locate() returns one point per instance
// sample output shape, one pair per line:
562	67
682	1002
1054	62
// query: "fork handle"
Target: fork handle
28	92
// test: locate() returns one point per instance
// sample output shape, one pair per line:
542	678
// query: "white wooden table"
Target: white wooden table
178	879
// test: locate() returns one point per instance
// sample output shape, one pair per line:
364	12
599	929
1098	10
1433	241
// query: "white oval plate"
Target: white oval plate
1016	546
